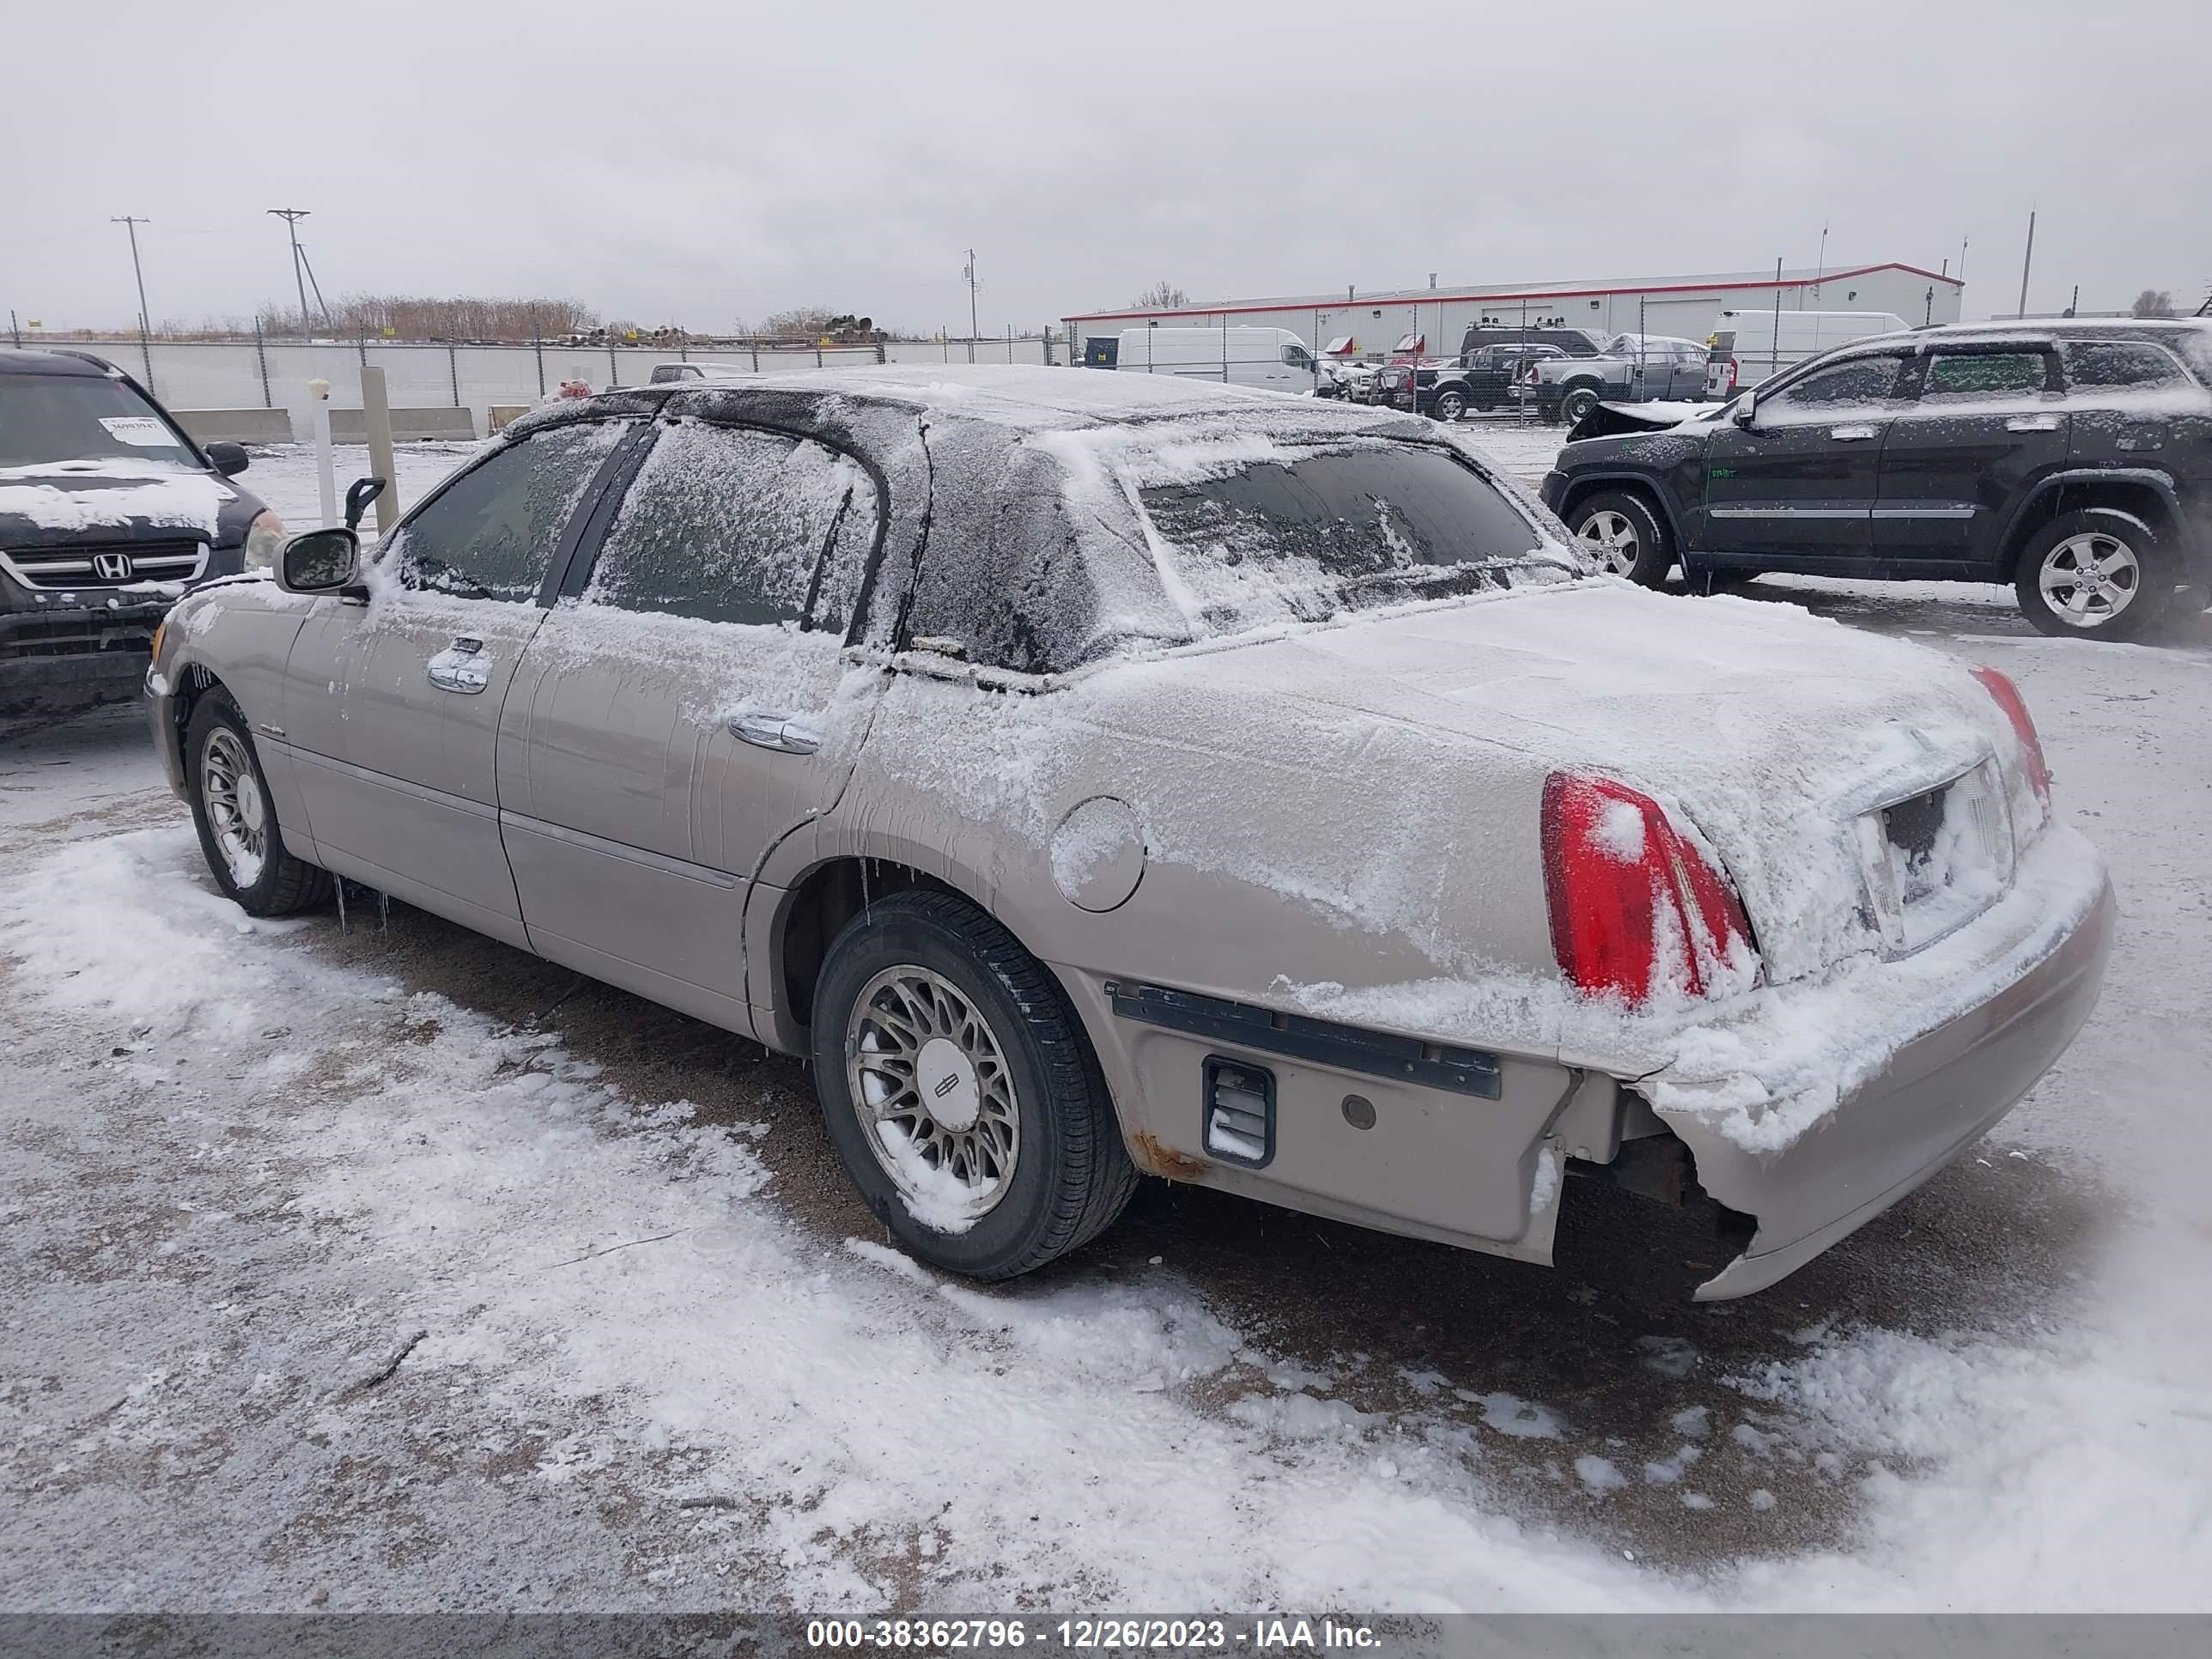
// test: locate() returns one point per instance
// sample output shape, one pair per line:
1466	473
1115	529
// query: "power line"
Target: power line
131	223
291	216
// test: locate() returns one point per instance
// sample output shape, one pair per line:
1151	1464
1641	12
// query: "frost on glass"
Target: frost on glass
492	533
1331	533
730	525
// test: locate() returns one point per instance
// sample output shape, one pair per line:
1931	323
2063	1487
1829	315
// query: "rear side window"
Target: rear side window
1984	374
2124	363
492	533
1861	381
733	525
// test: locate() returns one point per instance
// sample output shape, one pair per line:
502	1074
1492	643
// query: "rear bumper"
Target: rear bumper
87	654
1940	1093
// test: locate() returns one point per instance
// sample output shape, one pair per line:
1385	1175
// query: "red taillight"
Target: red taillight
1634	903
1732	371
2000	686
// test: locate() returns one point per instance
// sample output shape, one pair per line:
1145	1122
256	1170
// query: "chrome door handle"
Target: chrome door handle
775	732
2032	423
461	668
1852	435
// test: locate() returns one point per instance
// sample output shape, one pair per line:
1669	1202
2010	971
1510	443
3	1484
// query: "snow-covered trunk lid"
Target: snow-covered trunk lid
1860	793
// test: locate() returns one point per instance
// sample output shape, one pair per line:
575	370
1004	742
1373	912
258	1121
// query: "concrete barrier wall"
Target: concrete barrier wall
238	426
225	376
350	426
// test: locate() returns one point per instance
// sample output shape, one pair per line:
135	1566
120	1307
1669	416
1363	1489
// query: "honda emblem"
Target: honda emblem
112	567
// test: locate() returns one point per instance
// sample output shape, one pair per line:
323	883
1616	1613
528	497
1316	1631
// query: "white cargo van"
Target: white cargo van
1243	356
1752	345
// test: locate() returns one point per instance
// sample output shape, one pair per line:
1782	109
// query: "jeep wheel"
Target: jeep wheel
1625	535
1448	406
2099	573
960	1091
1578	404
236	821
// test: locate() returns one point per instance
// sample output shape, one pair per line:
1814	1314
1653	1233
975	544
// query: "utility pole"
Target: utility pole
131	222
974	329
2026	259
1821	270
291	216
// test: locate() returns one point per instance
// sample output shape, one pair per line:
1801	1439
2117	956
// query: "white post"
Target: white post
326	463
376	414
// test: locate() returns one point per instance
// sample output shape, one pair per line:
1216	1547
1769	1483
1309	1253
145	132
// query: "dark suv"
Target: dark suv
108	513
2072	460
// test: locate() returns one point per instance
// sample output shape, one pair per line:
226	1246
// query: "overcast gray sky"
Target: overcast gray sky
701	162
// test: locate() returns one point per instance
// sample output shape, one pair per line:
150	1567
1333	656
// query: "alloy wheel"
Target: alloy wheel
237	811
2090	579
930	1085
1611	539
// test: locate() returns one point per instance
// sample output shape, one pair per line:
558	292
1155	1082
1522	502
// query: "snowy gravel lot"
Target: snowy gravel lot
375	1265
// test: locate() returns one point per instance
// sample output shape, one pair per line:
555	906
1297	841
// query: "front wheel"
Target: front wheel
237	823
1448	406
2098	574
1625	535
960	1093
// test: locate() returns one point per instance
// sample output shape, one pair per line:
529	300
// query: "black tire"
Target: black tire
1450	405
278	885
1636	543
1578	402
1071	1177
2135	597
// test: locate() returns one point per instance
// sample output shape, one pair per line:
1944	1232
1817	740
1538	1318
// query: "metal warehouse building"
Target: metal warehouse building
1688	307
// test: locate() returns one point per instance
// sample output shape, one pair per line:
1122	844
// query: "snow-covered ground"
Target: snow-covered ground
284	475
368	1264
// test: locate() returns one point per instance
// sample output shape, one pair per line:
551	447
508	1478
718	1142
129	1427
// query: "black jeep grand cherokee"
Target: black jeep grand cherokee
2072	460
108	513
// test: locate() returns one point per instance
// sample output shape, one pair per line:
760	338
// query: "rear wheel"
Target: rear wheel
2099	573
960	1093
1625	534
237	823
1450	405
1578	402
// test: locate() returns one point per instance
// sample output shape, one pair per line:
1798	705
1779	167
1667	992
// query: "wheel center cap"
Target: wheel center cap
946	1079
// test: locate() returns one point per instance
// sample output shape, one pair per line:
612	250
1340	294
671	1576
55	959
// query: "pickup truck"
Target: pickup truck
1632	368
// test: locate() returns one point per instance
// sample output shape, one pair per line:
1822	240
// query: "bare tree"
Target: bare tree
375	316
2153	302
1163	295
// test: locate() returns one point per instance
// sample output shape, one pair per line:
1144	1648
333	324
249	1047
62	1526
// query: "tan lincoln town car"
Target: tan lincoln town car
1097	774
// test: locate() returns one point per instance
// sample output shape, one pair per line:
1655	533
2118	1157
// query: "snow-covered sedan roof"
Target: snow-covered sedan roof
1031	398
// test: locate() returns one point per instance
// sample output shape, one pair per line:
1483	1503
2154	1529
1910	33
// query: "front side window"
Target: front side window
491	533
1965	374
2125	364
1820	394
734	524
49	418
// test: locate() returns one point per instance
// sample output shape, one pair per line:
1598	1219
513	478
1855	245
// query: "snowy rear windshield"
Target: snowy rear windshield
48	418
1309	539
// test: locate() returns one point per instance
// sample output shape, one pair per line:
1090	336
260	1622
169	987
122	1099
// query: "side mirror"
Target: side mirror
319	561
359	495
228	459
1745	407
